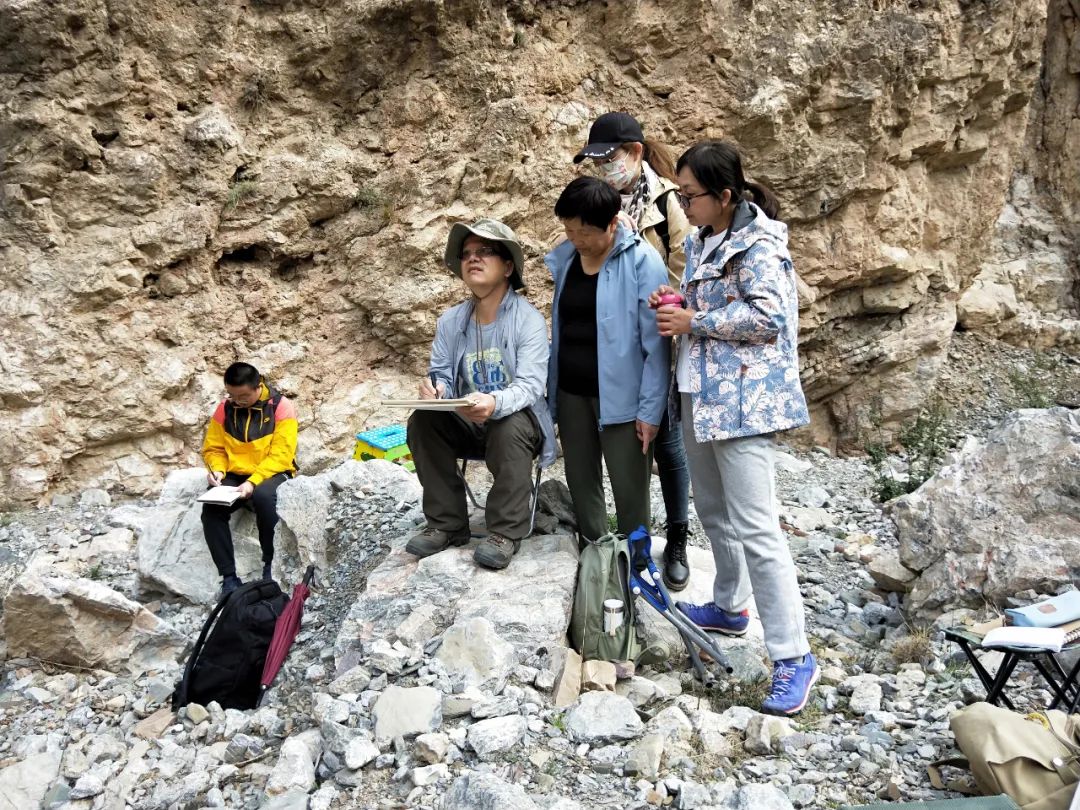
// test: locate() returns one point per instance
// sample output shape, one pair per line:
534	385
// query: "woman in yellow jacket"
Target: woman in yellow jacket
250	444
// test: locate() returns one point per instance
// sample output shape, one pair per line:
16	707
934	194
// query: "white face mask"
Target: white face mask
616	173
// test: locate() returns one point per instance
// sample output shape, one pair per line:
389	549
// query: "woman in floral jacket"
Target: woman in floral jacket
737	381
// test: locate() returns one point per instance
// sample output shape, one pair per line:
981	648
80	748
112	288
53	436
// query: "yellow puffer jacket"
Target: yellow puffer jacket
258	442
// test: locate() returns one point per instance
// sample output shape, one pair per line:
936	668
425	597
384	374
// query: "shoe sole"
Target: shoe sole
801	706
675	587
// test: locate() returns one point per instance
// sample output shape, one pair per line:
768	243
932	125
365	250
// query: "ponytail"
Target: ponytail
762	196
718	168
660	158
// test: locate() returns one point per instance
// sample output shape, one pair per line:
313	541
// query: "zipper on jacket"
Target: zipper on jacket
742	380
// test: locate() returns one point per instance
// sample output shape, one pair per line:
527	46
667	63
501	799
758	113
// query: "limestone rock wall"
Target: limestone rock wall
1028	289
182	186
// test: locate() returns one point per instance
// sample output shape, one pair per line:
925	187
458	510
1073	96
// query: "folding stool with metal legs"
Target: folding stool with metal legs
656	594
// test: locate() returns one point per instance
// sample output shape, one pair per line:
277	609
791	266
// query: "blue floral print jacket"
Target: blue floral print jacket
743	342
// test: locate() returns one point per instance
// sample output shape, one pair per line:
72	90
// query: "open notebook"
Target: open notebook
224	496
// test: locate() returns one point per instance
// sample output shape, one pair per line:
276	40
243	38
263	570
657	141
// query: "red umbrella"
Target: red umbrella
285	630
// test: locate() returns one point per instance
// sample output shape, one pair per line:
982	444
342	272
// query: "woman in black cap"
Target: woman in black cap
643	172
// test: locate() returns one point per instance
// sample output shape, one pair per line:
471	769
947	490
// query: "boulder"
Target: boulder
295	768
603	717
172	552
1002	517
489	738
483	791
473	651
304	505
24	784
759	797
527	604
889	573
84	623
407	712
985	303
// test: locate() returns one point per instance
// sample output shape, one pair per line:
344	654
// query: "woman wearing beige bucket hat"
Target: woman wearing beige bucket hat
493	349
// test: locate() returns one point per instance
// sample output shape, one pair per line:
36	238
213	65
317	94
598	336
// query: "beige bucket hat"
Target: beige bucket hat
492	230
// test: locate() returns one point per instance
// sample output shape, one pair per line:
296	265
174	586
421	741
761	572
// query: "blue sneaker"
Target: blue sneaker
791	683
710	617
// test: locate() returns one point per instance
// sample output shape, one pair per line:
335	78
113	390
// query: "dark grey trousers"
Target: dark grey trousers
437	439
583	444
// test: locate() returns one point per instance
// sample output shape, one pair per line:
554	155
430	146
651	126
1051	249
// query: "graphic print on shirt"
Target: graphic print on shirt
485	371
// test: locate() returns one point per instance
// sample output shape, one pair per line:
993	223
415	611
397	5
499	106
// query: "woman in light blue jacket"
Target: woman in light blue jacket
608	370
737	377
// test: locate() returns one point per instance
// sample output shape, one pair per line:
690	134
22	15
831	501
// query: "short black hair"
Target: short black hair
243	374
589	199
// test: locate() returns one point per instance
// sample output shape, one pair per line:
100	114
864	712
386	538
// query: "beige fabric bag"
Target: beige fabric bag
1035	759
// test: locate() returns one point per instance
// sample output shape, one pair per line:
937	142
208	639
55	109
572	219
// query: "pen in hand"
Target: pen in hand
434	383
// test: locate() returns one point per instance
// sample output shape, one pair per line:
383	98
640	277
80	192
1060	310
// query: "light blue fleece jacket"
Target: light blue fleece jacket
633	360
521	334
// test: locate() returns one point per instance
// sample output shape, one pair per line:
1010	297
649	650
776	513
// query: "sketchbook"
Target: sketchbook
224	496
1051	639
429	404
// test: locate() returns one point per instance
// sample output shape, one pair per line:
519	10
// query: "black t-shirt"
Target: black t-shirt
578	370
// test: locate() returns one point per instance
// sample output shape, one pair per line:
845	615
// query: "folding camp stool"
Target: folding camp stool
534	497
1064	685
656	595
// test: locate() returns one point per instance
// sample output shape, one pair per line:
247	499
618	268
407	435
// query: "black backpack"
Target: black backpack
661	227
227	662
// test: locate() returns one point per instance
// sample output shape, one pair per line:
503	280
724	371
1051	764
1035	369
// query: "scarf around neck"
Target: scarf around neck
633	204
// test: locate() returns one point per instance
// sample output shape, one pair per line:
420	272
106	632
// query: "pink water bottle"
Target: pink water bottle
672	300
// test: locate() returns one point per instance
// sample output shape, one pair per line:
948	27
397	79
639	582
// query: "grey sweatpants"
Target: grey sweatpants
735	497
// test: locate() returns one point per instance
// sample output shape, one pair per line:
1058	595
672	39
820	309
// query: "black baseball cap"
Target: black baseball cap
609	132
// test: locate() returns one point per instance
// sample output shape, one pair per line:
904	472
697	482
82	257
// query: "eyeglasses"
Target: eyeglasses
685	199
480	253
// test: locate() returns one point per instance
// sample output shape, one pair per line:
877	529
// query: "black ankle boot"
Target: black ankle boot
676	570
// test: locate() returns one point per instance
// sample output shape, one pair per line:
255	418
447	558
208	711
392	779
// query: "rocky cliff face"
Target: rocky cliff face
273	181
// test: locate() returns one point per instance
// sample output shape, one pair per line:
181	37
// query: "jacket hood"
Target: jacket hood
749	225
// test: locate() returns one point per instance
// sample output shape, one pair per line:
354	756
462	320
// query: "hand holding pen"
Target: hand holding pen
431	388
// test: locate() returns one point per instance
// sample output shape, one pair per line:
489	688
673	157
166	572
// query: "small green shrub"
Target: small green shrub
1030	389
925	442
368	197
239	193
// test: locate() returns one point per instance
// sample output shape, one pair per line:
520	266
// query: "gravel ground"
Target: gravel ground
878	717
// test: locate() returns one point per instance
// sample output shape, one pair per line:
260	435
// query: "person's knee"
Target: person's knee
264	499
516	433
214	514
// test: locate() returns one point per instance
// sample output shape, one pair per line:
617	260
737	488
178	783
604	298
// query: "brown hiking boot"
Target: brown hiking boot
496	551
432	541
